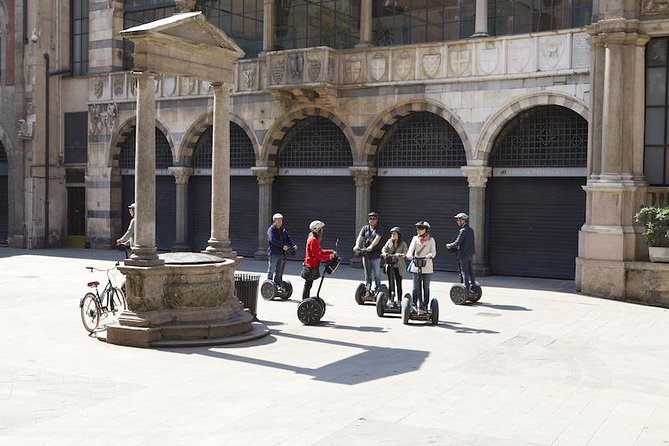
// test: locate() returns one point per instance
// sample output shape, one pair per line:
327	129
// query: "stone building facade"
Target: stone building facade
538	131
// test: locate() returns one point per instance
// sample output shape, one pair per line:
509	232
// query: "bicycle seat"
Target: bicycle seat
93	284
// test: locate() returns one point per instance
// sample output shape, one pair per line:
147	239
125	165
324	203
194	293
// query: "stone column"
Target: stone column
144	243
265	177
481	24
477	177
181	177
363	177
268	26
612	137
219	243
365	24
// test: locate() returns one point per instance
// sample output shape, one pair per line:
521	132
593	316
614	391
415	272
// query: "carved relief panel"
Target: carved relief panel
430	62
459	60
553	52
519	55
404	64
489	57
377	61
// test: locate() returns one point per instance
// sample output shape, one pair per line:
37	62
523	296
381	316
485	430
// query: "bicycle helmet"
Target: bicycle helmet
316	225
461	216
422	224
131	206
396	229
373	214
277	215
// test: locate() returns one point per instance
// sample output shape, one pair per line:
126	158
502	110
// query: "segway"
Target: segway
459	292
364	293
389	302
410	311
311	310
269	290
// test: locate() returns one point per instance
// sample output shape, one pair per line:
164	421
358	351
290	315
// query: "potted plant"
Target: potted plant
656	234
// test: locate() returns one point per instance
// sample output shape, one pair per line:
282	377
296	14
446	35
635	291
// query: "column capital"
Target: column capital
145	74
264	174
221	86
362	175
477	176
181	174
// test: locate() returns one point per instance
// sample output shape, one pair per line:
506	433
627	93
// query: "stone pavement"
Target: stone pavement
532	364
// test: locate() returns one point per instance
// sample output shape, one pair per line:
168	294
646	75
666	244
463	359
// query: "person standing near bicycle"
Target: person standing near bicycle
129	235
279	244
369	245
422	246
464	244
313	256
396	247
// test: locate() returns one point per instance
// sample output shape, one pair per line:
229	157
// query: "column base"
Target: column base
363	45
181	247
143	262
481	270
356	262
475	35
260	254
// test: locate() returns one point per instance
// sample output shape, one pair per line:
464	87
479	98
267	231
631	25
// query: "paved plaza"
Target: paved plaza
533	364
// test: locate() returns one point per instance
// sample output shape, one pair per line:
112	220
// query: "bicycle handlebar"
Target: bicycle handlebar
92	268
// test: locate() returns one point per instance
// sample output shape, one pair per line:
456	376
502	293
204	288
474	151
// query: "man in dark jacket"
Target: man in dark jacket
465	246
279	244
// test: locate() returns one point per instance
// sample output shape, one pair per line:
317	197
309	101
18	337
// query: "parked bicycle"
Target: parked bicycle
96	306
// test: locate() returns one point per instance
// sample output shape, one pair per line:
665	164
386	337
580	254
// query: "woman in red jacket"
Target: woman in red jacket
313	256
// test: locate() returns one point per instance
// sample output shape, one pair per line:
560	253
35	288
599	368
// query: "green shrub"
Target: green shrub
656	221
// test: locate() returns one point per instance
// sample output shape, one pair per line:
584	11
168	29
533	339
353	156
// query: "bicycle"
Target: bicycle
95	306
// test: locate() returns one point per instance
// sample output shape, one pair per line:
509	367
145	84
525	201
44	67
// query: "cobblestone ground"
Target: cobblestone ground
533	364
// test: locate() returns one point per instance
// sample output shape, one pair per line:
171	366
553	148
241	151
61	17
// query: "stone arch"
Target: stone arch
387	118
496	122
124	130
275	135
200	125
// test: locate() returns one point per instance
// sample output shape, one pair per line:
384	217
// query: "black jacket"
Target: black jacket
465	242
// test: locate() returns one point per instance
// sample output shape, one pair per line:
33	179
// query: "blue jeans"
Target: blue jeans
467	266
417	293
372	271
274	268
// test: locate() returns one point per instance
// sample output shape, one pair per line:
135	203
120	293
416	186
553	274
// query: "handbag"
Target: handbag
409	266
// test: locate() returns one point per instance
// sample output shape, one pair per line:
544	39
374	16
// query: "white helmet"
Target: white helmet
316	225
277	215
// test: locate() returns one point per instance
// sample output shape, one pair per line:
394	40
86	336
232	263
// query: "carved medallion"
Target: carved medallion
170	85
313	69
249	77
519	55
404	65
459	58
118	86
552	50
98	88
488	58
431	64
378	67
295	67
331	68
188	85
352	68
278	69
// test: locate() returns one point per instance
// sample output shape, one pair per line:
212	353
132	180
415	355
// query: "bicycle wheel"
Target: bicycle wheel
90	312
118	301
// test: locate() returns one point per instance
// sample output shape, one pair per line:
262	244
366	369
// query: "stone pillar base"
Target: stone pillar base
260	254
481	270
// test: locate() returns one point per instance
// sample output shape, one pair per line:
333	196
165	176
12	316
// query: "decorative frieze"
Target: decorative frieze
102	121
654	7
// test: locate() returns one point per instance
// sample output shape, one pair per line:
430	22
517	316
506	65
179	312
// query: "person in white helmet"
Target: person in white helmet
464	244
279	245
313	256
422	246
129	235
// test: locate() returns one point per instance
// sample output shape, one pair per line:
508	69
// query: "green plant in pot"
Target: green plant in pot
656	233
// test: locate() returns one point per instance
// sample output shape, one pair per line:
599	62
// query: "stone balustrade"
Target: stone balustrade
657	196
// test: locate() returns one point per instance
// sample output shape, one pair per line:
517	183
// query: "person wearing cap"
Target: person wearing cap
278	246
313	256
369	243
395	246
422	246
464	244
129	235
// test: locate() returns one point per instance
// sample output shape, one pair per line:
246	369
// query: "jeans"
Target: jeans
467	266
372	271
274	267
395	281
417	293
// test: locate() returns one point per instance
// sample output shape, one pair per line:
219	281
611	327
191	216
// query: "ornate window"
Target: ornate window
526	16
544	136
163	151
656	158
242	155
421	139
242	20
75	127
79	36
314	142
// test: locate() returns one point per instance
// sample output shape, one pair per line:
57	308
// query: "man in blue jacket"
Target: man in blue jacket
279	245
465	246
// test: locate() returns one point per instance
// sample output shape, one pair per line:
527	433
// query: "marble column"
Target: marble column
363	177
365	24
219	243
481	24
265	176
181	177
612	128
477	177
144	242
268	26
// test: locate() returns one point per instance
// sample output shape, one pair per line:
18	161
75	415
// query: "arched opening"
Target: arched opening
243	193
536	204
419	178
4	195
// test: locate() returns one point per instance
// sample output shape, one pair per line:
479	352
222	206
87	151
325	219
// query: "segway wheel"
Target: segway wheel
321	302
383	289
309	311
459	294
360	294
406	309
268	290
434	311
381	301
288	290
475	296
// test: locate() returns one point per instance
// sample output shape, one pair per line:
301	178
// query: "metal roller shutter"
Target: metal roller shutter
330	199
199	202
165	208
533	226
402	201
4	208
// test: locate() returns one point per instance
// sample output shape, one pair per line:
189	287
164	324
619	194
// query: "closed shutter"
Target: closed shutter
402	201
4	208
533	226
166	221
199	202
329	199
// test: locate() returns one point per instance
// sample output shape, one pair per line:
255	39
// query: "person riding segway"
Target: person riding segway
393	253
422	250
368	246
280	245
463	246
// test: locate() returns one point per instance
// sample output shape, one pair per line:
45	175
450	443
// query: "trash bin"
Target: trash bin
246	288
